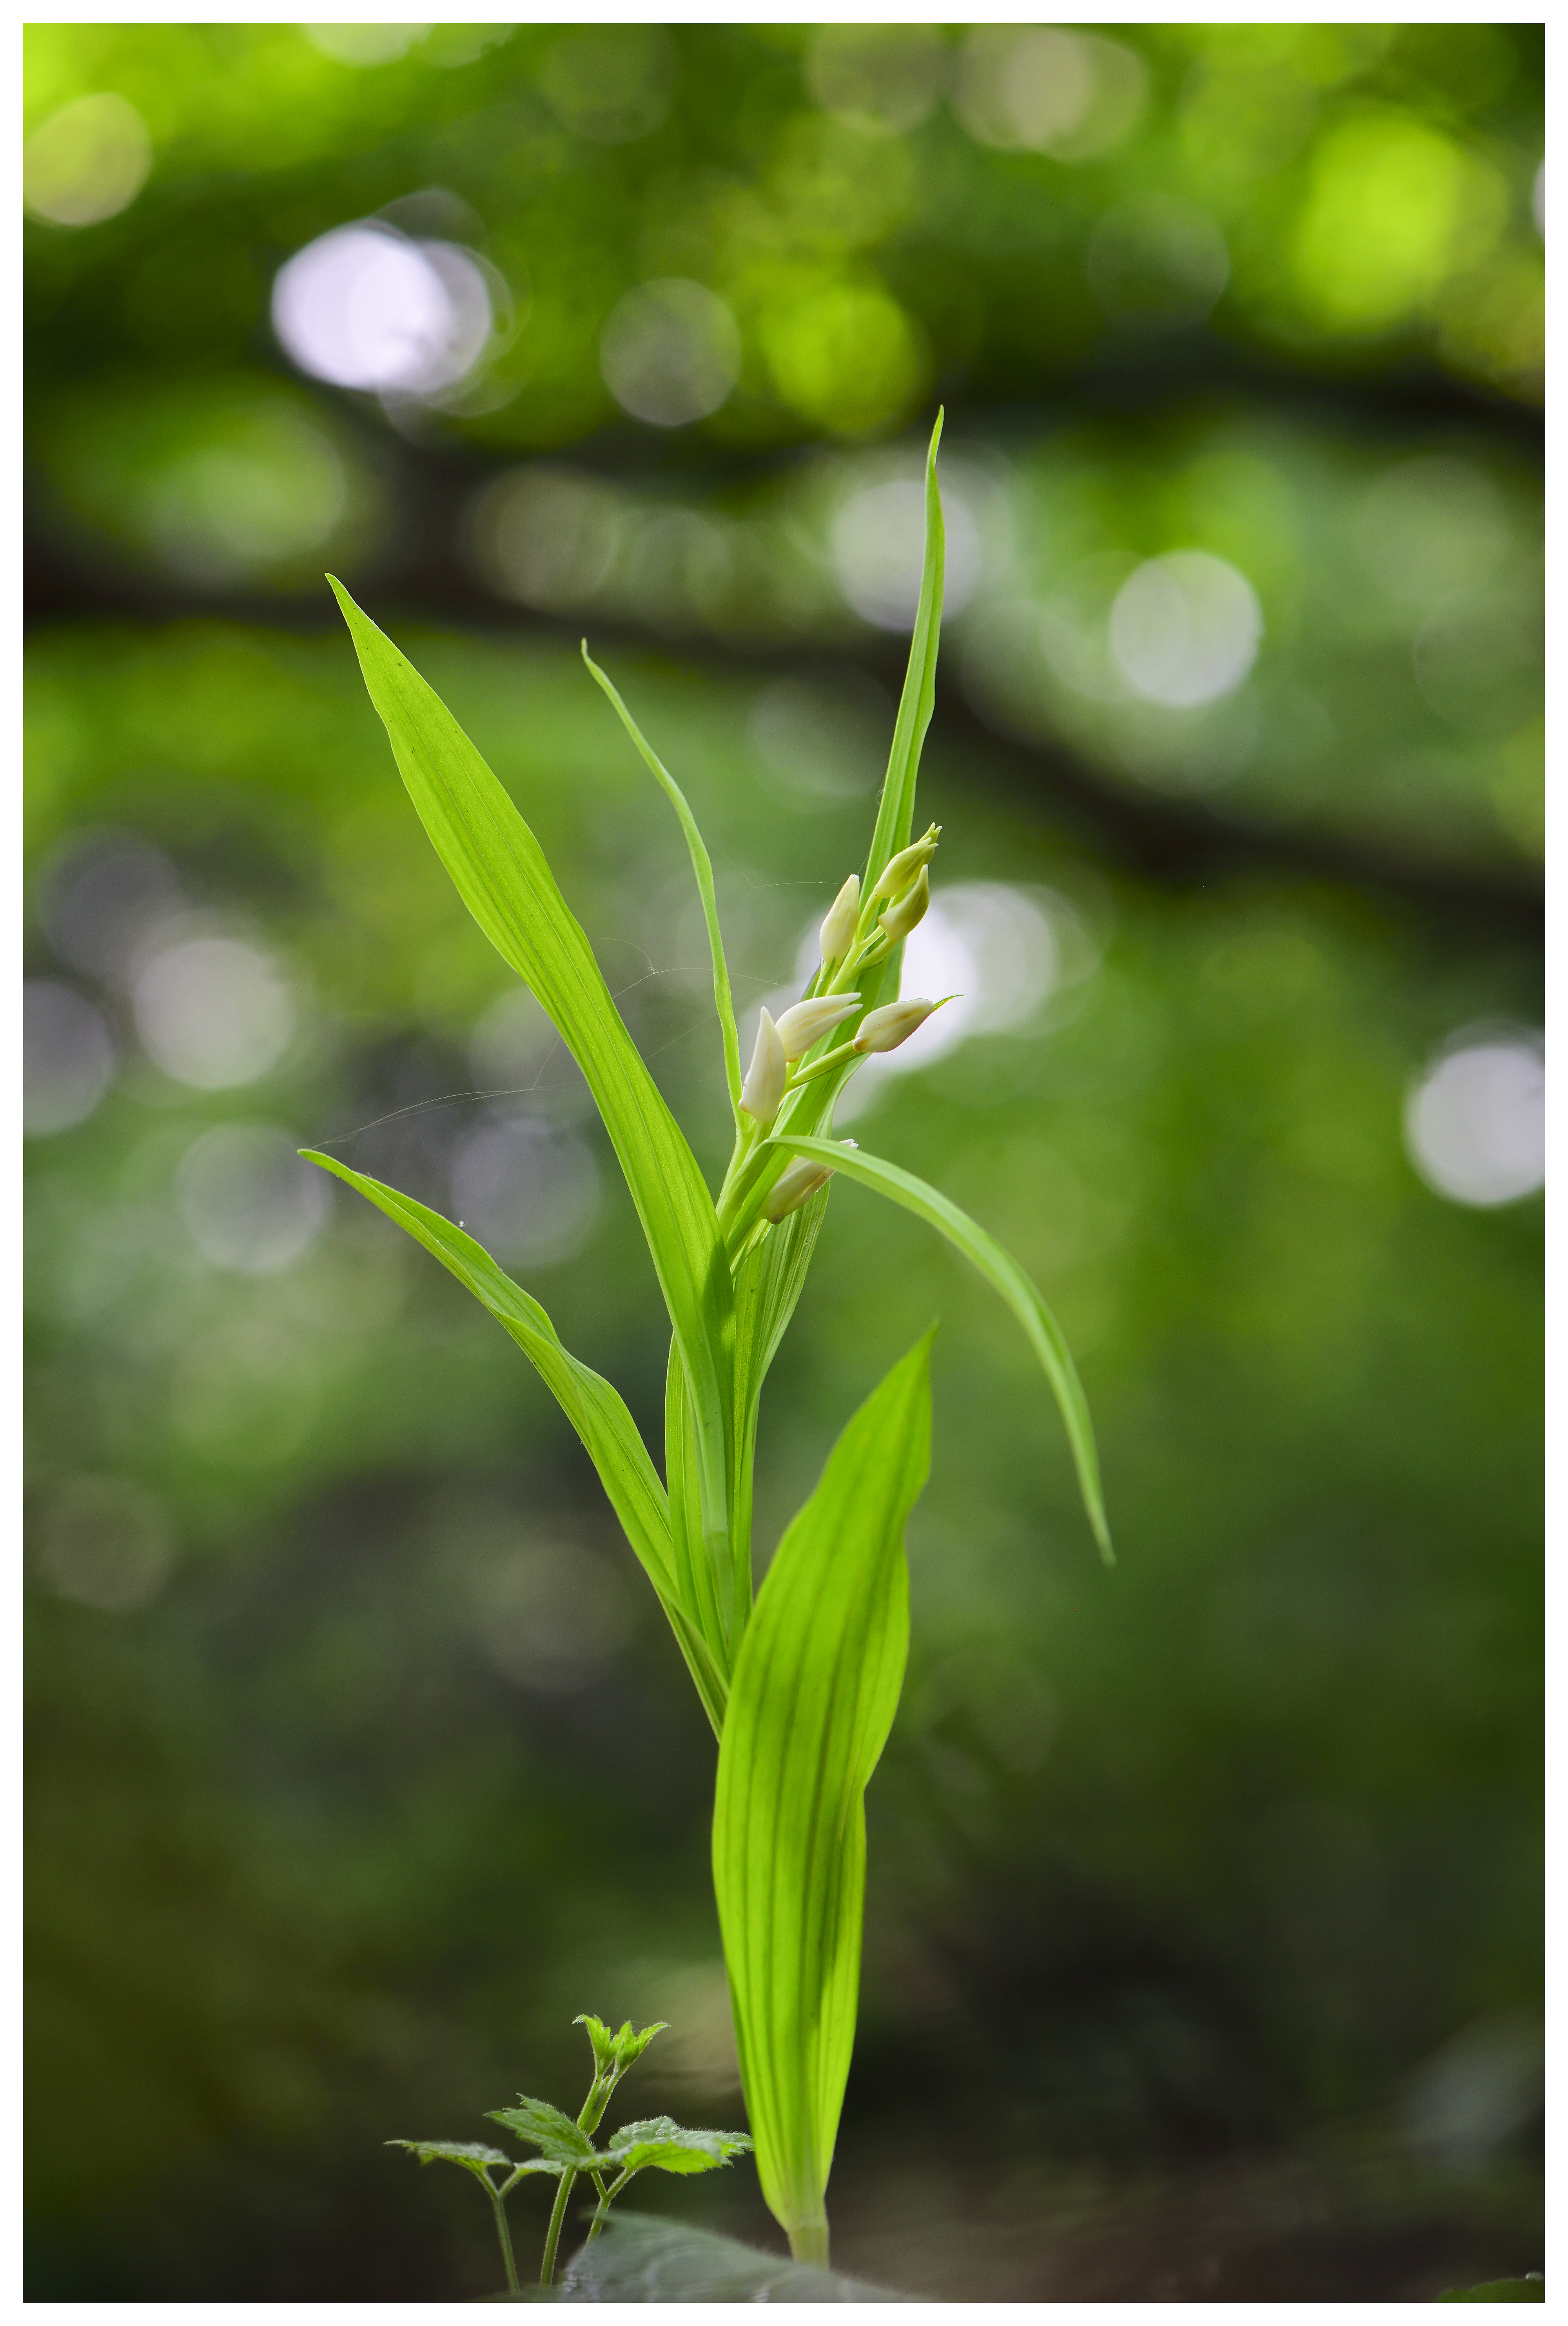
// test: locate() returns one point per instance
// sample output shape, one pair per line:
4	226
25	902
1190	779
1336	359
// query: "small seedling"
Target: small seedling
566	2147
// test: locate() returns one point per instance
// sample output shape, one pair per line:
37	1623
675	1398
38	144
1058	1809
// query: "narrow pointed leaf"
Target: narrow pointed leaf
500	871
814	1688
1001	1270
895	813
595	1408
723	1001
808	1111
546	2128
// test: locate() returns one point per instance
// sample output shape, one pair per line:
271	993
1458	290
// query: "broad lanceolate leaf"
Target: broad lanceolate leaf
595	1409
672	2147
1000	1270
722	1000
555	2135
472	2155
812	1698
500	870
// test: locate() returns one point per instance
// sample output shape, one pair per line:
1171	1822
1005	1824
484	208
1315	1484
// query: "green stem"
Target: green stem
593	2107
606	2199
504	2234
553	2235
808	2243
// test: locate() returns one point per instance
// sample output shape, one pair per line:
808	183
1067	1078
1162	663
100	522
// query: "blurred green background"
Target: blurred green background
1203	1940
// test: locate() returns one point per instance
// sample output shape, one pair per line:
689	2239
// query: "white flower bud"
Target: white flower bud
905	864
764	1085
911	909
884	1029
797	1184
843	917
804	1024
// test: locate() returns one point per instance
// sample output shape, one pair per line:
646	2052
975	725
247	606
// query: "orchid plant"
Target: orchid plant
801	1678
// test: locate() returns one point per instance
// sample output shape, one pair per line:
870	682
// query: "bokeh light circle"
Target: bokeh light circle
250	1203
877	544
1475	1125
86	163
213	1012
365	307
68	1057
670	353
1185	629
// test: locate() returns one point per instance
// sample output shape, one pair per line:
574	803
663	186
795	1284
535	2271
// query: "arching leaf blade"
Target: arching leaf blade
1001	1270
814	1689
593	1406
500	872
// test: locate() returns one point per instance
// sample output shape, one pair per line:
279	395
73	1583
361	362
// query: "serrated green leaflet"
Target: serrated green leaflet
660	2142
594	1407
1000	1270
549	2130
811	1701
473	2154
613	2053
724	1002
500	871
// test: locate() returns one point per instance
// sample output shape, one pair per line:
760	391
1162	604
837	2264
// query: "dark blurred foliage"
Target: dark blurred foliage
1203	1942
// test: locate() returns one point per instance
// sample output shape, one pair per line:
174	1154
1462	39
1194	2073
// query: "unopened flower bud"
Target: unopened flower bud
911	909
884	1029
905	864
804	1024
844	914
764	1084
795	1184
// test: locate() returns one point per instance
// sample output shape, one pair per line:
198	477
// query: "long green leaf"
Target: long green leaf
813	1697
896	809
1001	1270
500	871
723	1001
595	1408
